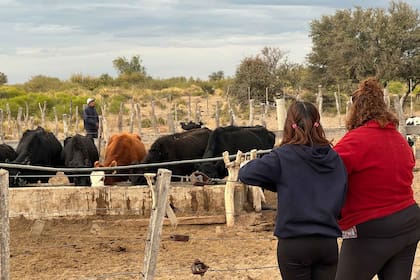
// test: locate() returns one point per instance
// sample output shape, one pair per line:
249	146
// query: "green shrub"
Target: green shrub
11	91
114	103
161	121
146	123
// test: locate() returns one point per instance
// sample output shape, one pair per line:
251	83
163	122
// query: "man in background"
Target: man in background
90	118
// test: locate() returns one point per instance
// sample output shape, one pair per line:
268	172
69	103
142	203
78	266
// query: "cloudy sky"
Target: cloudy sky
190	38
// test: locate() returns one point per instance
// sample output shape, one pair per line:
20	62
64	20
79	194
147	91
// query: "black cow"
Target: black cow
36	147
79	152
7	153
233	139
190	144
191	125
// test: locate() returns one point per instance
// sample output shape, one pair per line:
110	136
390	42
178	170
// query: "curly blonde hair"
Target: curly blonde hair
369	104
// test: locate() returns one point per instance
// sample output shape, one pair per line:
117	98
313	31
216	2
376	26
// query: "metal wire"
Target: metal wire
143	165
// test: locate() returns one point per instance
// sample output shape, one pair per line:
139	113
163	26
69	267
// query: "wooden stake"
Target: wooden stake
4	224
233	169
161	190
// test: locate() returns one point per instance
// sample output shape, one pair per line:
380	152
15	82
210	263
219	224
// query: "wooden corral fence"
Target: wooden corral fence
165	121
236	194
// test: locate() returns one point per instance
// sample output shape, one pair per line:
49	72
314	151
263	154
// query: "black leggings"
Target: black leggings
385	247
362	259
307	258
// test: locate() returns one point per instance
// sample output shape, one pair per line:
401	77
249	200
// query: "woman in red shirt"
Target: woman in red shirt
380	219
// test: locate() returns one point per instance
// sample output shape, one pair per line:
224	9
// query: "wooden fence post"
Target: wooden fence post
26	116
233	169
263	114
207	104
138	116
217	114
400	114
65	126
154	119
266	97
160	193
43	110
189	107
132	112
386	97
251	112
281	113
170	121
76	122
19	122
410	83
348	107
9	119
1	126
256	191
55	121
411	104
175	116
197	111
319	100
337	106
120	117
70	114
31	122
232	118
103	124
4	224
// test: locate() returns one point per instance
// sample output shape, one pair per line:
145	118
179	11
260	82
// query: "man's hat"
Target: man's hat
90	99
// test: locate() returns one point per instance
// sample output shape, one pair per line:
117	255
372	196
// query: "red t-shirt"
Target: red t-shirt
380	165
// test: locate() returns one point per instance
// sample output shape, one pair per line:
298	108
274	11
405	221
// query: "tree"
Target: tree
272	57
217	76
268	70
252	78
354	44
123	66
3	78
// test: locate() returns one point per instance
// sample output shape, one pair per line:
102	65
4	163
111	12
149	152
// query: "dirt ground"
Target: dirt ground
114	249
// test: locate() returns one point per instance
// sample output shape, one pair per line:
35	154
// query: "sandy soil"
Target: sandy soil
109	249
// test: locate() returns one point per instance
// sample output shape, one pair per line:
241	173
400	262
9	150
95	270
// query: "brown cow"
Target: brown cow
122	149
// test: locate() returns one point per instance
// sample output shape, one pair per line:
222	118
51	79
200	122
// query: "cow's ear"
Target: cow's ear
97	164
138	136
113	163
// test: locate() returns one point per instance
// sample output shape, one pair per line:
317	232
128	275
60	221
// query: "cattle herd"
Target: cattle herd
78	153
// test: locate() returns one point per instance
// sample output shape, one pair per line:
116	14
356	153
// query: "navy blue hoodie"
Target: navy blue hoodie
311	184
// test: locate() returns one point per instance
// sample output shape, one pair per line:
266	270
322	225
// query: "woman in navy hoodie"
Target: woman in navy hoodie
311	181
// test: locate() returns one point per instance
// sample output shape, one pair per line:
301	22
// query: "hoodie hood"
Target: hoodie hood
322	159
